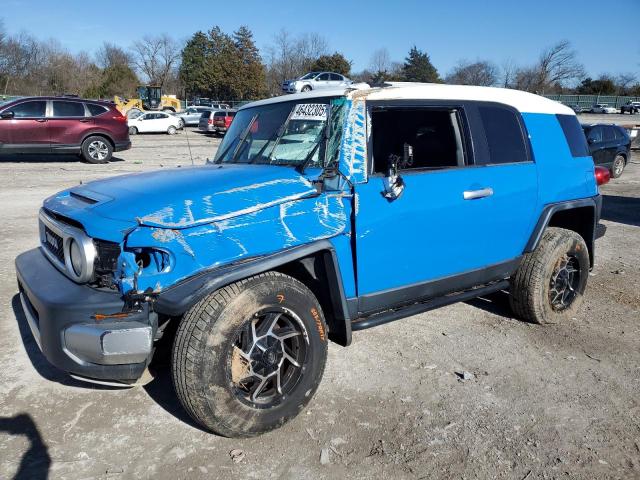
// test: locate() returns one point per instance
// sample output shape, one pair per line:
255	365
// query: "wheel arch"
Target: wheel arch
98	134
580	216
313	264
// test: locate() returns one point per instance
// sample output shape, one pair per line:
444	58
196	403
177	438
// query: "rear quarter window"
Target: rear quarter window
574	134
96	110
505	138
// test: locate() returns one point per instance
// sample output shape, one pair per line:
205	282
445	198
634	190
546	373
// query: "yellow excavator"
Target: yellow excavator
149	97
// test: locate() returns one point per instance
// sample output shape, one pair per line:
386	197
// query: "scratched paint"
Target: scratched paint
353	154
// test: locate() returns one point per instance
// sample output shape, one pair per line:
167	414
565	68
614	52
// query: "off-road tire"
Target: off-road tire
203	348
618	166
531	285
96	149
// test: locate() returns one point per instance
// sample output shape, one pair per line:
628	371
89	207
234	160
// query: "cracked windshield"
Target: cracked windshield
303	135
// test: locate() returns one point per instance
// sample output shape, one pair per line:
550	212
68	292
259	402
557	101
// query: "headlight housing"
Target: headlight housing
79	255
75	256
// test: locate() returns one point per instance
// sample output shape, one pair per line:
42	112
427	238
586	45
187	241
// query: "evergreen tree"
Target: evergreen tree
418	68
331	63
194	73
250	74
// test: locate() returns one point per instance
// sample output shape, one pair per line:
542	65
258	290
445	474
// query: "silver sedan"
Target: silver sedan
315	81
191	116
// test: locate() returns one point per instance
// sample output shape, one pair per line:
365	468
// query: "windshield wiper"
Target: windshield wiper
241	138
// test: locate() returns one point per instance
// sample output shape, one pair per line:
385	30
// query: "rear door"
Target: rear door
27	130
611	143
597	147
68	124
467	207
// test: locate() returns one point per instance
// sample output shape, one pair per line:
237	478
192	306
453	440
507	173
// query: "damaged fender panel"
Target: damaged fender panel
228	240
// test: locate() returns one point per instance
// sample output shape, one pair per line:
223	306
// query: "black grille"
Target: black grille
107	256
53	242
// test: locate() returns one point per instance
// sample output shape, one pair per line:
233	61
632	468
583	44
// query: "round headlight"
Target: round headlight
76	257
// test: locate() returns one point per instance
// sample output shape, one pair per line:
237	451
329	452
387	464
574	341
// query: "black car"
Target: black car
610	146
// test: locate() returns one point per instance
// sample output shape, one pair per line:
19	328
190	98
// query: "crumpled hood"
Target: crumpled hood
179	198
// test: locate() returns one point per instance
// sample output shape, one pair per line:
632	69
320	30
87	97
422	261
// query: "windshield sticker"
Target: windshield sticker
310	111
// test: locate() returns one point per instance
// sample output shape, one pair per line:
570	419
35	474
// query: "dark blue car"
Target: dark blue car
610	146
322	213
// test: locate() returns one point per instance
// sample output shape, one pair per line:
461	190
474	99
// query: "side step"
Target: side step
431	304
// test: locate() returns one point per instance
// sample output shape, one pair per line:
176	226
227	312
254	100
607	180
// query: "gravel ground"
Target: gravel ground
544	402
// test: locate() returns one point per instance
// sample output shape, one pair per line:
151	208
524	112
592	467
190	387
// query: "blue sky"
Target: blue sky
448	30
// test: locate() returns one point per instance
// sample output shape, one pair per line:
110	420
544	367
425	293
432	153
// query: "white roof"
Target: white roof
521	101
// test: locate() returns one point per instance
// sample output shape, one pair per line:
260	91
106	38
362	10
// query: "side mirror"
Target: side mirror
7	115
591	140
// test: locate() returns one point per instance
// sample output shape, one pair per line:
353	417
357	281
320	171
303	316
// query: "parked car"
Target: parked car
191	116
630	107
610	146
602	108
222	121
216	121
254	262
155	122
315	81
575	107
89	128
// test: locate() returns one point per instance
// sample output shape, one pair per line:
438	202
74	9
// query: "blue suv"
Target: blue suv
322	213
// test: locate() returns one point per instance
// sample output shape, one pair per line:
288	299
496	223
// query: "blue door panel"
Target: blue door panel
431	232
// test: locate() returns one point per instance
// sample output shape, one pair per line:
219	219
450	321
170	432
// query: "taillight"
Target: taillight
602	175
119	118
210	121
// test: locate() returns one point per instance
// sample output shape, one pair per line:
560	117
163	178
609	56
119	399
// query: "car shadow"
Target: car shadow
496	303
38	360
47	158
161	391
621	209
35	462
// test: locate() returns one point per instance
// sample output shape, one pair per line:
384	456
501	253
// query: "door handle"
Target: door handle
85	120
41	120
473	194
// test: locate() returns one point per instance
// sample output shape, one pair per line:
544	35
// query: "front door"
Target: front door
27	130
462	215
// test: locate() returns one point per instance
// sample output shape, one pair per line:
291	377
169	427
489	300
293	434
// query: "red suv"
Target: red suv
90	128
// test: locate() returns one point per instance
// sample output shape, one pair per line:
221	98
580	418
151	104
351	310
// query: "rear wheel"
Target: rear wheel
618	166
249	357
550	282
133	131
97	150
306	88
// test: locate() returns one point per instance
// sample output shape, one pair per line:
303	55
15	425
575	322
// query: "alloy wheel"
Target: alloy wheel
268	357
564	282
98	150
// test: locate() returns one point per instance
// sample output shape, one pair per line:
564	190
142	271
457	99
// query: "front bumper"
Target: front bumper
62	317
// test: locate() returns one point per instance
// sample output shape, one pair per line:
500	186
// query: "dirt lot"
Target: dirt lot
555	402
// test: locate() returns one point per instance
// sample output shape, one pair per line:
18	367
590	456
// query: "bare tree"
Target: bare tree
156	57
509	71
559	64
380	61
625	81
480	72
110	55
289	57
19	57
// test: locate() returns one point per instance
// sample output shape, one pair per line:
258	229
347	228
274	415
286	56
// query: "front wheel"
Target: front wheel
249	357
618	166
171	130
550	281
306	88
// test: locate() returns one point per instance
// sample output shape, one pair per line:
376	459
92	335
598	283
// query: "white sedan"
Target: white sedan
154	122
603	108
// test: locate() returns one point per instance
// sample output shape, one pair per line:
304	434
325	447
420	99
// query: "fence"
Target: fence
587	101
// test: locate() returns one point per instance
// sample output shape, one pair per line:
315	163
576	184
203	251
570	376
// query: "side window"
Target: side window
505	138
609	136
335	77
595	135
68	109
324	76
96	110
29	109
621	134
430	136
574	134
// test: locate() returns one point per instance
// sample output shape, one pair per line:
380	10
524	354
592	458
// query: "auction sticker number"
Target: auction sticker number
310	111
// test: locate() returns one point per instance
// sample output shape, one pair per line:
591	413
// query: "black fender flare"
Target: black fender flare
594	202
177	299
